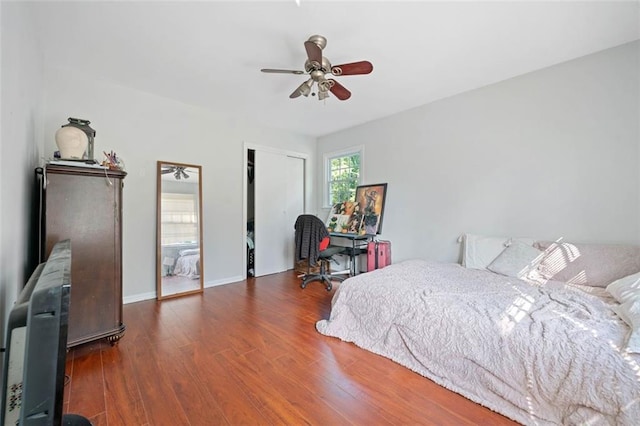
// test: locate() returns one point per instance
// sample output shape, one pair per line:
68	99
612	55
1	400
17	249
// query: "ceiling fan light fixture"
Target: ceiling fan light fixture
322	94
305	88
178	172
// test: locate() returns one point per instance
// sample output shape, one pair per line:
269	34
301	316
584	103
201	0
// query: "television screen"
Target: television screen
36	347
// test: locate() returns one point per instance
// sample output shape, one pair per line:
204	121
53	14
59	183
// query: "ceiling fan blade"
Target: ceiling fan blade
276	71
353	68
165	171
297	92
313	52
338	90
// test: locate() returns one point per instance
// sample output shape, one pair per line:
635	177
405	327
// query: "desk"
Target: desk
358	246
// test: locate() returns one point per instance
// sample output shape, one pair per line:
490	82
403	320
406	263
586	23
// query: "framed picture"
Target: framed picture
370	200
339	216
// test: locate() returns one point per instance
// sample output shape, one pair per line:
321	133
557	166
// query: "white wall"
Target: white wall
20	119
554	153
143	128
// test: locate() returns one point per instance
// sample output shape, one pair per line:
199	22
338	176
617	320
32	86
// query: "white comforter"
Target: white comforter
188	266
538	354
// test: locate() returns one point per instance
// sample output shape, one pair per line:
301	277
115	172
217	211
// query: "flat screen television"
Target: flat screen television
36	345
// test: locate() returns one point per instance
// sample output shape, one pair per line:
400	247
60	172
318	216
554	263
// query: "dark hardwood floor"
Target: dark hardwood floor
248	354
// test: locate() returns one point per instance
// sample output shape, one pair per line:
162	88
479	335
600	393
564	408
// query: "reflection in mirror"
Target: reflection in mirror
179	230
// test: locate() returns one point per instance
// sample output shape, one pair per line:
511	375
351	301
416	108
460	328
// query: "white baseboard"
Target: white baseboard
228	280
138	297
152	295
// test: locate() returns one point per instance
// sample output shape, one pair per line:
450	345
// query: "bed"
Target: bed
546	346
188	264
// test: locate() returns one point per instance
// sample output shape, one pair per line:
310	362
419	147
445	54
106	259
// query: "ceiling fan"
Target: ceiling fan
178	172
317	66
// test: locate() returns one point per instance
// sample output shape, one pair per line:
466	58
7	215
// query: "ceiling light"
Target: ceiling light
323	88
322	94
305	88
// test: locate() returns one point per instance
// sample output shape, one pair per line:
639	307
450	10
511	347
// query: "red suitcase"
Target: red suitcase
378	254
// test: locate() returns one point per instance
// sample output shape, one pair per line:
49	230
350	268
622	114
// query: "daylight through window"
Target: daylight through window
344	177
179	218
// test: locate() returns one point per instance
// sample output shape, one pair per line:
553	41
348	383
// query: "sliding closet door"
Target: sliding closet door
279	199
295	200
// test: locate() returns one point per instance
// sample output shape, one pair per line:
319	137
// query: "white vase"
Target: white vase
72	142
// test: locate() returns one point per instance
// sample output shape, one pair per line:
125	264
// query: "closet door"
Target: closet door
279	195
295	201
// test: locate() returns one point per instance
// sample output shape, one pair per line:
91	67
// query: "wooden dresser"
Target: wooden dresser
84	205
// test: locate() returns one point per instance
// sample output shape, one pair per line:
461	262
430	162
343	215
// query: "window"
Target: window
343	171
179	218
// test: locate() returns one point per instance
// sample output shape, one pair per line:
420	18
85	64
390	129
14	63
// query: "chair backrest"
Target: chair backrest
310	232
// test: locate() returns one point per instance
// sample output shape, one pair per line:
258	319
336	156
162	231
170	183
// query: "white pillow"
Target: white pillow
626	289
630	313
188	252
479	251
517	260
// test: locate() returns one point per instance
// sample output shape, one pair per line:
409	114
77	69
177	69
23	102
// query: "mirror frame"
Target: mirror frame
159	261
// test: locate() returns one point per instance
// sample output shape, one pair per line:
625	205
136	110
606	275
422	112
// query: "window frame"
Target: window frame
327	157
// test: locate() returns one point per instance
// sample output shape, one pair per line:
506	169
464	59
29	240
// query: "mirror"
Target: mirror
179	269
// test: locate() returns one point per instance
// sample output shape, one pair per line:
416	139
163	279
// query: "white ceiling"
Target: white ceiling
209	53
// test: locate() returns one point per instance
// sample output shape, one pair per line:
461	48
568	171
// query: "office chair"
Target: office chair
312	243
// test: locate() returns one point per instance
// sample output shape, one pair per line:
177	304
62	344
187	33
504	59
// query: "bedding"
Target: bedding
589	264
480	250
188	264
517	260
548	353
626	290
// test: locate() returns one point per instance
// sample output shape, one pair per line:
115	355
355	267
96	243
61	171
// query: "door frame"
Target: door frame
245	181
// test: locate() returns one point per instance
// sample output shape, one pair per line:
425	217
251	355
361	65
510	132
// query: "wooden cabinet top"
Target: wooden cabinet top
84	171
